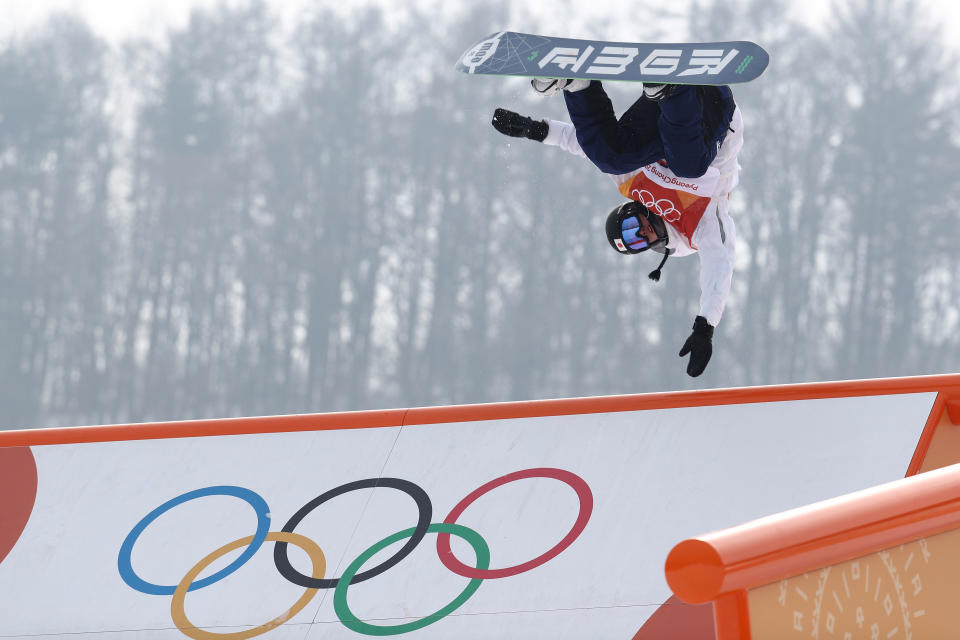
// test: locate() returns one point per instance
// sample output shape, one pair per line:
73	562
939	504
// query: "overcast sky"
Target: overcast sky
119	19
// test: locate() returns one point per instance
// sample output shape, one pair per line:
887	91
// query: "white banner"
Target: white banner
577	514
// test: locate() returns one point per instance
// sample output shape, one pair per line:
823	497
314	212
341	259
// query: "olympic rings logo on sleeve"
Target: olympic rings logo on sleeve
352	574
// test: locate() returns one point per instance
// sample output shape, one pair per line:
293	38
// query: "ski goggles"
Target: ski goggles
629	231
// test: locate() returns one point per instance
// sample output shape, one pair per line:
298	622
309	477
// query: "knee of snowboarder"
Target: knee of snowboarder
606	156
690	170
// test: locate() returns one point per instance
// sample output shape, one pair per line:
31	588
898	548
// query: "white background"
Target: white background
119	20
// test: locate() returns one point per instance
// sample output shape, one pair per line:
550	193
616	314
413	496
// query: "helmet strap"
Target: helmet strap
655	274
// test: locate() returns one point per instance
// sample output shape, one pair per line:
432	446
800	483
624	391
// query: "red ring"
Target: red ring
18	494
586	508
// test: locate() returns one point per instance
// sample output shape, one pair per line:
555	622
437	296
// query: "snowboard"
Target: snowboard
509	53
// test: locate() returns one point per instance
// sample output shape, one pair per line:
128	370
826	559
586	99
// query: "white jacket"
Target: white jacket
715	236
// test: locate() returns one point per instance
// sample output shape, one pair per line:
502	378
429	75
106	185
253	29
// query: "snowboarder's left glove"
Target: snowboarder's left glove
699	345
517	126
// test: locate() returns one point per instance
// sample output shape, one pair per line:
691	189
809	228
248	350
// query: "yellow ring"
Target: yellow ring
179	615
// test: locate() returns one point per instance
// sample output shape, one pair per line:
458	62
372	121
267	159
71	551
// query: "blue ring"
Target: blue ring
263	527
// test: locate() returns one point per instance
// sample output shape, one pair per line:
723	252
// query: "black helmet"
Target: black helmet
622	225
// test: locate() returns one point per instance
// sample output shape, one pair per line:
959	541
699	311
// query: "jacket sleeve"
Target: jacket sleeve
715	239
563	135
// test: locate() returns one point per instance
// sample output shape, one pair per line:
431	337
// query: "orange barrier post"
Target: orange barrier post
718	565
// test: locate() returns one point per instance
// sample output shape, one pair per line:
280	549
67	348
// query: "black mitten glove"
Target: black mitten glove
700	347
517	126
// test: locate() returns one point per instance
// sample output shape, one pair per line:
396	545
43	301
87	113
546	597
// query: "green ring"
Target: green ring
353	623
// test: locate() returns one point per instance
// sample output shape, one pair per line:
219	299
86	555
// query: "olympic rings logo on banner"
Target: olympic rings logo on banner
352	574
647	199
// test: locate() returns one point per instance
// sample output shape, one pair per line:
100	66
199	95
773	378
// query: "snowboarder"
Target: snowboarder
673	154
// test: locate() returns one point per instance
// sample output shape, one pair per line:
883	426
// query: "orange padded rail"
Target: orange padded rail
953	410
948	386
719	564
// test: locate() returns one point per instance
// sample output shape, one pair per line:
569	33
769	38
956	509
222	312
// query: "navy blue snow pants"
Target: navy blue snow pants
685	129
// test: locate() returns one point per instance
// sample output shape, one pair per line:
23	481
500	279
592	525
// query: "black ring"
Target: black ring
419	496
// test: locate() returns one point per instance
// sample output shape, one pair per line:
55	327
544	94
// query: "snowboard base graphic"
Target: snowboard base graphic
508	53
